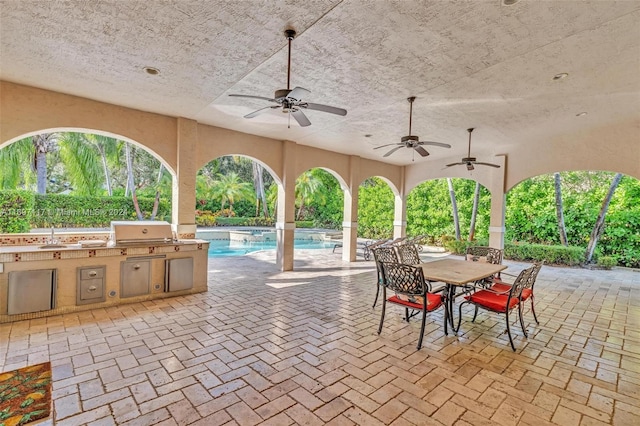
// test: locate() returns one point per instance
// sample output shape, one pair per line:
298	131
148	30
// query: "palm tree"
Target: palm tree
308	186
13	157
474	212
454	207
82	162
229	187
599	226
560	209
42	145
258	184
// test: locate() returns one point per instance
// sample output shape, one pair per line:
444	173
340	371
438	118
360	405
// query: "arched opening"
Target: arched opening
449	210
319	199
78	178
376	206
537	207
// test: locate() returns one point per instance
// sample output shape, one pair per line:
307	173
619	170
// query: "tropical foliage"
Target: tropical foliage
234	189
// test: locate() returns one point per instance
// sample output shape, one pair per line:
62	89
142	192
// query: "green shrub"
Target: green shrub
607	262
206	218
554	255
243	221
305	223
460	247
16	211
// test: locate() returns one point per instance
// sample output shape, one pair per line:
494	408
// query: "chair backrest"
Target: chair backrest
383	254
484	254
409	254
521	282
404	279
531	281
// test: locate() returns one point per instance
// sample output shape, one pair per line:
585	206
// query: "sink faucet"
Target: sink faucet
52	240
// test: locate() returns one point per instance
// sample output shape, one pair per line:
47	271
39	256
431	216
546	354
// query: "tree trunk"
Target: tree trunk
474	212
258	183
41	146
599	226
105	168
130	182
559	210
454	207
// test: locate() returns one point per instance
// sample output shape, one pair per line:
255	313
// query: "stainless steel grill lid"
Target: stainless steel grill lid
145	231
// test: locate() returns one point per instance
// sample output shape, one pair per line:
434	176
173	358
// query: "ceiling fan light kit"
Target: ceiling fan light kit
412	141
290	100
470	161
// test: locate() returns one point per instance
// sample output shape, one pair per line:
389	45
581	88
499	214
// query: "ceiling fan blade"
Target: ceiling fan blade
389	144
440	144
260	111
325	108
298	93
455	164
393	150
480	163
420	150
302	119
254	97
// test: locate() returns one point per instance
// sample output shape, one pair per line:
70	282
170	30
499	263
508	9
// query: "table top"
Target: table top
458	272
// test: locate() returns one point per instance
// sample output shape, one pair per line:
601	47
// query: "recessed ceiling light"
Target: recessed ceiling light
151	70
509	2
560	76
581	114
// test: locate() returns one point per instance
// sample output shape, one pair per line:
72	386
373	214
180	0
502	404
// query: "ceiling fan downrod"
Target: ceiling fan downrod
290	36
411	99
469	146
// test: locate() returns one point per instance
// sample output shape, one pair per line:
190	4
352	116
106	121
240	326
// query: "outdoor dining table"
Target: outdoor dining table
457	273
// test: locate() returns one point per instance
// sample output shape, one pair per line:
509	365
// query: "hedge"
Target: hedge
22	210
16	211
552	255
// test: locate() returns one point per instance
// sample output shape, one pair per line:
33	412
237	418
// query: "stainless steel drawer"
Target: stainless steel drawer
91	273
90	285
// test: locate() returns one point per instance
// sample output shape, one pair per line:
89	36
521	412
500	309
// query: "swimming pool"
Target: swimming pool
223	248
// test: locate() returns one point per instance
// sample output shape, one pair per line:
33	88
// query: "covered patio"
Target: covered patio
265	347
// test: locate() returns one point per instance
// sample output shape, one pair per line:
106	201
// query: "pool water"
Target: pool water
222	248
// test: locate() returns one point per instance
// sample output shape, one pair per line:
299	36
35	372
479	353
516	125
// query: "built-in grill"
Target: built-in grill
125	233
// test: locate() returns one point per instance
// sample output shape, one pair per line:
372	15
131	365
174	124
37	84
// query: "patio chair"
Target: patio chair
527	291
500	302
382	254
369	246
408	254
485	254
411	291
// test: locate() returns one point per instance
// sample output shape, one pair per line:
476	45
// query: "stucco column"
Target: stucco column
400	217
350	212
400	209
183	197
286	225
498	204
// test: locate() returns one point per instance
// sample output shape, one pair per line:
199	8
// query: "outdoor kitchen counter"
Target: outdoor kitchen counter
68	260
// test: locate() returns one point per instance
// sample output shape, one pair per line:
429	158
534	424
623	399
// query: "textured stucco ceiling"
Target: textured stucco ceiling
470	64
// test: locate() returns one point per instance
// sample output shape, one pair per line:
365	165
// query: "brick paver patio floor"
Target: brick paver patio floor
263	347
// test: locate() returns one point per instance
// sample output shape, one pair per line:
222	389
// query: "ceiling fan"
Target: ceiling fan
291	100
469	161
412	141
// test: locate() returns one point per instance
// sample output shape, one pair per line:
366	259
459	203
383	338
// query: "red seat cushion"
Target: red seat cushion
502	287
492	301
433	301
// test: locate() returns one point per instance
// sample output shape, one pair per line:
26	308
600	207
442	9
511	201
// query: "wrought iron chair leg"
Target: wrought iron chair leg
377	292
446	318
406	314
424	319
384	305
475	314
456	328
520	314
534	311
509	331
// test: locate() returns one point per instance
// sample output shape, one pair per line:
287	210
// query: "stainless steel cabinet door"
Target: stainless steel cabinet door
31	291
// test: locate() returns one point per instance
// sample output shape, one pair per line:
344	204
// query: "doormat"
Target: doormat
25	395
